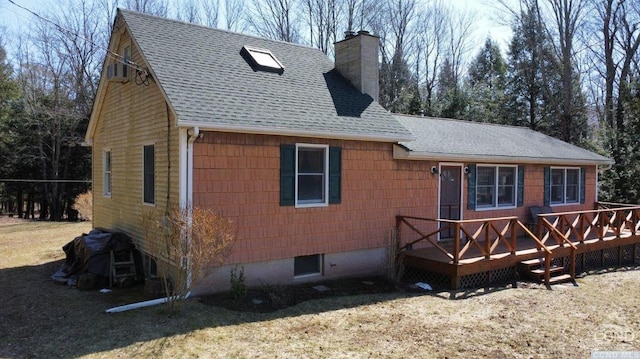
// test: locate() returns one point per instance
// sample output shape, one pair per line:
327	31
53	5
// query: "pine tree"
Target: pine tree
485	85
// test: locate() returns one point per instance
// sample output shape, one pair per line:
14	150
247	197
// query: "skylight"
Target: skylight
261	59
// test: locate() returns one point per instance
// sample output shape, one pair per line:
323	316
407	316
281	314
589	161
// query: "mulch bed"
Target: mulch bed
275	297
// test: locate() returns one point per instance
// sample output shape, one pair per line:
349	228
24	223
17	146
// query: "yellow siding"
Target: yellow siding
133	116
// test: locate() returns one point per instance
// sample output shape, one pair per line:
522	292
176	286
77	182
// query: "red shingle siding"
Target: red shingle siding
239	176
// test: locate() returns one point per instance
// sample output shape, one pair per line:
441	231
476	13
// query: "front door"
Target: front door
450	196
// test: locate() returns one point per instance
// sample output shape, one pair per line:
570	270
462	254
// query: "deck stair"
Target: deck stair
534	269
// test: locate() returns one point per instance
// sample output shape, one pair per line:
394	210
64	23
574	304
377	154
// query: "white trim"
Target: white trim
307	275
293	132
401	153
451	164
325	203
564	184
185	164
496	184
105	193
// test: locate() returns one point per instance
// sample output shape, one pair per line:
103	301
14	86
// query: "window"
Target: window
126	54
310	175
261	59
150	266
148	175
106	170
307	265
565	185
496	186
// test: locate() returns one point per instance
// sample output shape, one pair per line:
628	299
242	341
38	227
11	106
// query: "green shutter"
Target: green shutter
471	189
287	175
547	186
583	180
335	175
520	186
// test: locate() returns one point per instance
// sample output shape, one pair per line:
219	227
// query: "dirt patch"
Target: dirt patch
6	220
271	298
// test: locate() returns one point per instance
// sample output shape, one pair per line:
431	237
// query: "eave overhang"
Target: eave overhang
402	153
275	131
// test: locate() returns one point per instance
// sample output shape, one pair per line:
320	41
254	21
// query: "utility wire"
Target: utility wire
114	55
43	181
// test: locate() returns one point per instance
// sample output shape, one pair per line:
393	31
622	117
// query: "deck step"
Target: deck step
533	262
552	270
560	279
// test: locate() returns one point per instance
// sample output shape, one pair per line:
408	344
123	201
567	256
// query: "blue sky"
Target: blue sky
12	18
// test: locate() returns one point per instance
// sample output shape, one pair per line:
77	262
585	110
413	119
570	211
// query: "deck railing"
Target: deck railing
483	234
578	226
554	230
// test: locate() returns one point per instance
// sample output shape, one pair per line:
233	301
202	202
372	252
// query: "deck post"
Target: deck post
455	281
456	244
398	224
513	236
547	268
487	242
572	264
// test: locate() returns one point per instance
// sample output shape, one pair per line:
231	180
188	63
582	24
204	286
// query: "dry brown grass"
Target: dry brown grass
41	319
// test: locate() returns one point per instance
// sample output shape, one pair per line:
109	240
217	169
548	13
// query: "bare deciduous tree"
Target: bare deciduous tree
430	49
569	19
322	17
275	19
153	7
188	10
210	12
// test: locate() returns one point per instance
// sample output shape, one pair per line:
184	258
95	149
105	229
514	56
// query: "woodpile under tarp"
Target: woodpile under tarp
88	261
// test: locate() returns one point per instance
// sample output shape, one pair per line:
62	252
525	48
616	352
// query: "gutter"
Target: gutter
402	153
297	133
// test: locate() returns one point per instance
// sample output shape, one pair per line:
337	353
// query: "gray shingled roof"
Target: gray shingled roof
444	139
209	84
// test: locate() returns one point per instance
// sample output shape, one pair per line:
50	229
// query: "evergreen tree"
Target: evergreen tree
451	100
9	95
532	81
485	85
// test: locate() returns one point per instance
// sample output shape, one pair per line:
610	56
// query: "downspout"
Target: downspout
192	136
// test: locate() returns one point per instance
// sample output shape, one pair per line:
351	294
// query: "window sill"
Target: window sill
311	205
309	275
565	204
482	209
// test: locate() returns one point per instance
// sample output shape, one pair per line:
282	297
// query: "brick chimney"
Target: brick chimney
357	61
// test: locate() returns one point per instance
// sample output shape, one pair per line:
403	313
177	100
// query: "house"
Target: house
297	152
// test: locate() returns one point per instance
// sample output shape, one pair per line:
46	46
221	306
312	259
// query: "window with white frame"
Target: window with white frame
565	185
106	170
312	175
304	266
149	175
496	186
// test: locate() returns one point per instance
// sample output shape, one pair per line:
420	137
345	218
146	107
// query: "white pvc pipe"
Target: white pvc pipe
148	303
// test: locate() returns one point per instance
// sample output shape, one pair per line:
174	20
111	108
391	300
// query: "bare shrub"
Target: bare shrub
189	242
394	266
83	203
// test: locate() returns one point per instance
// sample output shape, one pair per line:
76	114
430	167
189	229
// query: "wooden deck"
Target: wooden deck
579	240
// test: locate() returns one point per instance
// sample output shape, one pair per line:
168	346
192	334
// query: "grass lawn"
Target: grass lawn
45	320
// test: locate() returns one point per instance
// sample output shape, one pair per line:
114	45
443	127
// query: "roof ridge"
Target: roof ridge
258	37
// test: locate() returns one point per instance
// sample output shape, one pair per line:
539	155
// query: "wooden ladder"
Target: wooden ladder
534	269
121	268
